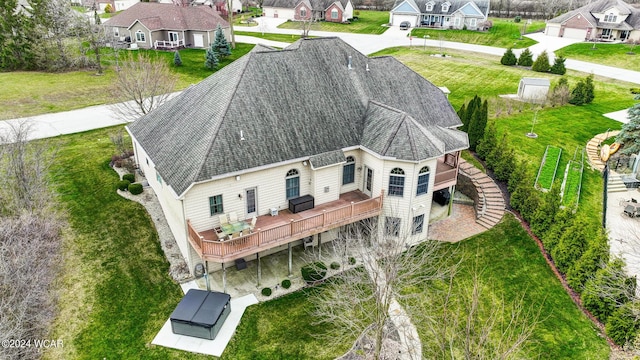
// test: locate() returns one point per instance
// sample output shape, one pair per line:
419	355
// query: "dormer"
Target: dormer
430	6
445	6
610	18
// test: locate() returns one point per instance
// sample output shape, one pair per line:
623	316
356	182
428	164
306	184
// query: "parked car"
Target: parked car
405	25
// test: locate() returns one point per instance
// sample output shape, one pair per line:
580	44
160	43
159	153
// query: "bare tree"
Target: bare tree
364	302
142	85
24	168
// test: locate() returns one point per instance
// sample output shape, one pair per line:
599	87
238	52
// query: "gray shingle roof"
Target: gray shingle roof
455	5
296	103
157	16
328	158
632	21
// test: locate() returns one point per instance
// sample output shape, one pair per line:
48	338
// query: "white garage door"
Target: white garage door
579	34
553	30
198	40
397	19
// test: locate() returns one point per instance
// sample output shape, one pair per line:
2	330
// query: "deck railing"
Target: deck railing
163	44
263	239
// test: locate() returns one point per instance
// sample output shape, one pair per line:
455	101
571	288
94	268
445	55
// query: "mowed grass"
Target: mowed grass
34	93
288	38
510	265
368	22
618	55
504	33
548	168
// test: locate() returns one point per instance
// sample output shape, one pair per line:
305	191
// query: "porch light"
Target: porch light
237	177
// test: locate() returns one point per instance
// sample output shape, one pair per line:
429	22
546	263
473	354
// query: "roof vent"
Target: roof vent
241	136
349	66
367	67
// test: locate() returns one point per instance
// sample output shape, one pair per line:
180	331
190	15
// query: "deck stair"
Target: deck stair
491	205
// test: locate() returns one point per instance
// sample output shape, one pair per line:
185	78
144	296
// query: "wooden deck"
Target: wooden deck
447	171
272	231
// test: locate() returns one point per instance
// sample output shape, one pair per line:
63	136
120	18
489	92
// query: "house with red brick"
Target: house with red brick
302	10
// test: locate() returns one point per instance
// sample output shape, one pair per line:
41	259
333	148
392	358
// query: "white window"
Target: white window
472	22
349	171
396	182
303	12
173	36
456	21
610	18
445	7
334	13
292	184
215	205
140	36
116	32
430	6
423	181
418	224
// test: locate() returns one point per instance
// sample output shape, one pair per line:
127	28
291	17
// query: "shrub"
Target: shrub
517	19
135	189
509	58
622	327
123	185
108	9
526	58
115	158
352	260
286	283
117	163
583	92
335	266
129	177
314	271
177	60
558	66
542	63
266	291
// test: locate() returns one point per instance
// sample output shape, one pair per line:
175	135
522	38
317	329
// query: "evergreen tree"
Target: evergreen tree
578	94
477	124
558	66
542	63
220	43
17	37
462	112
468	113
509	58
589	91
489	141
526	58
211	58
507	163
177	60
96	18
629	136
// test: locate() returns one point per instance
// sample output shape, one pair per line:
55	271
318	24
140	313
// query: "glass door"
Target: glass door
250	195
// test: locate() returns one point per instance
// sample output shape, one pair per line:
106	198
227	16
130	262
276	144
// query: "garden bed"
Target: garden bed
548	168
572	183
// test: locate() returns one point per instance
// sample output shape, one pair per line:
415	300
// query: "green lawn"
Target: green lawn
548	168
269	36
510	265
369	22
571	183
607	54
504	33
33	93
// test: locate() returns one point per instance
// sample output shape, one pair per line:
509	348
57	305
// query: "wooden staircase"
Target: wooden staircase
490	207
593	154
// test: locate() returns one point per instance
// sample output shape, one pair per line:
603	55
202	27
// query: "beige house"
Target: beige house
294	144
165	26
605	20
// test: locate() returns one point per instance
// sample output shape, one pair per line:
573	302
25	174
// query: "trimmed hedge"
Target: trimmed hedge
352	260
129	177
266	291
123	185
314	271
135	189
335	266
286	283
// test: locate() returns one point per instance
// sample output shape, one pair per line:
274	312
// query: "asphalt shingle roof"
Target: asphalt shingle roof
455	5
156	16
632	21
295	103
315	4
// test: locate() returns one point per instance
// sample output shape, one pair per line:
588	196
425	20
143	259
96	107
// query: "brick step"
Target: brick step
492	217
486	224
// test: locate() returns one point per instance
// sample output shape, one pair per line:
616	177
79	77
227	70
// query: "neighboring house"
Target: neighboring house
116	5
318	128
300	10
450	14
166	26
601	20
221	6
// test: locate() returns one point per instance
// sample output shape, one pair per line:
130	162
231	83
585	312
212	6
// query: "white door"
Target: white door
198	40
252	203
368	181
571	33
397	19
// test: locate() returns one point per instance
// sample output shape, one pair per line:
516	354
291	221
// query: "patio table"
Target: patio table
235	227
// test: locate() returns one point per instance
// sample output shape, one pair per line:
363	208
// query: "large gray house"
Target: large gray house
448	14
285	145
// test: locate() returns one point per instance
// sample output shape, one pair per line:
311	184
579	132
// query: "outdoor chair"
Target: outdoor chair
220	234
253	223
630	210
233	217
223	219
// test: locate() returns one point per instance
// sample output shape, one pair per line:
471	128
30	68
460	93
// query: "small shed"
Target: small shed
533	89
201	314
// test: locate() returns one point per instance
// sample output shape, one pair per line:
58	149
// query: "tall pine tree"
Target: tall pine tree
211	58
629	136
220	43
477	124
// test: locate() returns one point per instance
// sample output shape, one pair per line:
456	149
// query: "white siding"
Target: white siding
348	12
357	183
329	177
283	13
